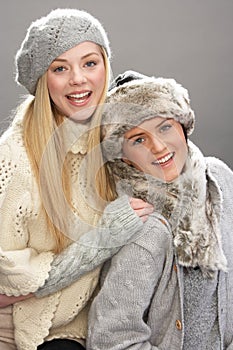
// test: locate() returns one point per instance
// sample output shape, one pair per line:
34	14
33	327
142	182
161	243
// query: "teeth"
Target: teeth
164	159
84	94
79	101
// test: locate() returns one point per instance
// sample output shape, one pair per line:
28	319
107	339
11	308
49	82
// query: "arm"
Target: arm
86	254
23	269
119	225
116	315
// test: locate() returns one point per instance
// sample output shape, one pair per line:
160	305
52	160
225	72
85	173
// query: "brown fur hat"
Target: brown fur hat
142	98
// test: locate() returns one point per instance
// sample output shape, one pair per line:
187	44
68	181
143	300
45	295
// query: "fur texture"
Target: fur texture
190	206
135	101
192	202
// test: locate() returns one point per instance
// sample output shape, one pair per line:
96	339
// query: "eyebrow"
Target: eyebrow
142	132
83	57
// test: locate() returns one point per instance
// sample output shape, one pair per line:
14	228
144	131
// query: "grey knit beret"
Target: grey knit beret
139	99
52	35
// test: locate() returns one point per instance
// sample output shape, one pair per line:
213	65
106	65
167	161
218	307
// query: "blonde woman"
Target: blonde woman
63	63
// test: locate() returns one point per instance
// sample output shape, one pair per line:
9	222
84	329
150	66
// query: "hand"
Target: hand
9	300
141	208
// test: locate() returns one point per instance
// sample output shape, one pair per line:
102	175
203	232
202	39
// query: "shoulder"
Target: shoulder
15	168
220	171
153	241
217	165
12	144
143	260
155	232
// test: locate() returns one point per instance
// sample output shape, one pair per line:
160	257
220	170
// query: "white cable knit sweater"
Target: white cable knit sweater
25	251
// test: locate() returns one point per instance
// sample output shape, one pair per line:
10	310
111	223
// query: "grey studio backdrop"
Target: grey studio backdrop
189	40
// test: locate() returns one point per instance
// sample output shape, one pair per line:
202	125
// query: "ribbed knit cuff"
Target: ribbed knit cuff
121	220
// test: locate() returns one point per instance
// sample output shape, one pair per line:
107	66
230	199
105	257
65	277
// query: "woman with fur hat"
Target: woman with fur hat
172	288
63	62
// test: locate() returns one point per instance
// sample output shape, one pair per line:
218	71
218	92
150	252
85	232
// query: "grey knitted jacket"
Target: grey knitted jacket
140	305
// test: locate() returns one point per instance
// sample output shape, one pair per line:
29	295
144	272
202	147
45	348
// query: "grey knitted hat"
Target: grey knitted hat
138	99
50	36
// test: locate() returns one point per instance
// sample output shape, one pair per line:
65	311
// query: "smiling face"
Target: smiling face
156	147
76	80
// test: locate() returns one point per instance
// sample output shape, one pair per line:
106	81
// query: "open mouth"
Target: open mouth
79	98
164	160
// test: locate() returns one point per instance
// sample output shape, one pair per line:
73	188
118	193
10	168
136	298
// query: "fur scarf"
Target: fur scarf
191	204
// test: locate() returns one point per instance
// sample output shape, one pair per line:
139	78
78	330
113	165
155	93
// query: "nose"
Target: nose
77	77
156	145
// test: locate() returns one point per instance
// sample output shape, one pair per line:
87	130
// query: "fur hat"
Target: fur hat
136	98
50	36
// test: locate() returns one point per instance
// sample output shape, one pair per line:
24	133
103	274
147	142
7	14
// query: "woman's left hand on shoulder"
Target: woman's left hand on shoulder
142	209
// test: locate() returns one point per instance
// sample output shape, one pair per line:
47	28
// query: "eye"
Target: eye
90	64
59	69
165	127
138	141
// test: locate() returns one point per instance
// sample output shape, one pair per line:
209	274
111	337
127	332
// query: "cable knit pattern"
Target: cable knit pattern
25	264
25	253
22	269
92	249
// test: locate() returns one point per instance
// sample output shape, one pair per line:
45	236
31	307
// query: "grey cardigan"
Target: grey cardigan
125	317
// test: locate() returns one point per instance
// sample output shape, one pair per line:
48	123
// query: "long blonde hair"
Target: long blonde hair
105	187
40	123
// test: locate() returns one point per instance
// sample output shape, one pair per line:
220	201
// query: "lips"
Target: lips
164	160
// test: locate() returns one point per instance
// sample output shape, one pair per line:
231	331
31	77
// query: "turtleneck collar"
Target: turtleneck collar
75	136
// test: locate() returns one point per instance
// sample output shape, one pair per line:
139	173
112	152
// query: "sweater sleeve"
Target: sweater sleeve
119	225
23	271
22	268
117	315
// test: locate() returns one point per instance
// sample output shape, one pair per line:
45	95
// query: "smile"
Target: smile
164	160
79	98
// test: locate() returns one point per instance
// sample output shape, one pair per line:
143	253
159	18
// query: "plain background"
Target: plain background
189	40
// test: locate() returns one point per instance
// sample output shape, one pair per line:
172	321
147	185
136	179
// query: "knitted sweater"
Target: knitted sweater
141	302
26	250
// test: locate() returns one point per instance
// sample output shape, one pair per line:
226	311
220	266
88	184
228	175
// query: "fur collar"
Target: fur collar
191	204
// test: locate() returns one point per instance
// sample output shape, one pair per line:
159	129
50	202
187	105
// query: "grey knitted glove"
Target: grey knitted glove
119	225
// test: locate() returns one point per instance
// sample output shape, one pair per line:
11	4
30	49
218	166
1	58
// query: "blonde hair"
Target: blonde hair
46	153
105	187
